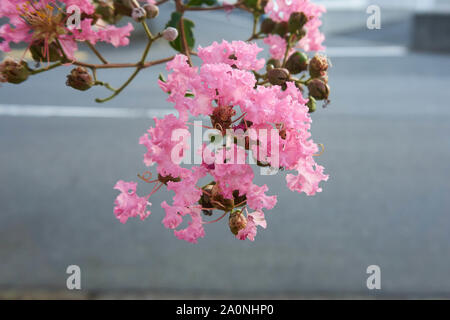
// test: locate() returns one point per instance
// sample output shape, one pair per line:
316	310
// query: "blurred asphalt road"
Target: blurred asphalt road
387	202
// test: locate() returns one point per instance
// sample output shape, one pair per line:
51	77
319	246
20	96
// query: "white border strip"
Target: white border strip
80	112
384	51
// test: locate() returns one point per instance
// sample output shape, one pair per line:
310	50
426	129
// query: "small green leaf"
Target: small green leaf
251	4
161	77
199	3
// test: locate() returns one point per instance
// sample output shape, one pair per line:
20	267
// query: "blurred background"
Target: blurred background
387	150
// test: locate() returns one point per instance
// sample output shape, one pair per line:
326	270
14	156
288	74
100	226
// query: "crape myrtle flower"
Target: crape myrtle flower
221	88
43	26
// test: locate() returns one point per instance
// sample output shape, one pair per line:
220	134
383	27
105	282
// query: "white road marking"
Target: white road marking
370	51
14	110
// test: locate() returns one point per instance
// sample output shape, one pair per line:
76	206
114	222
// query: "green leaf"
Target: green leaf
251	4
199	3
175	20
161	77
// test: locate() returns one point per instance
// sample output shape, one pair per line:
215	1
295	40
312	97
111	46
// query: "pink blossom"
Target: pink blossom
195	228
277	46
240	54
166	142
280	10
40	23
308	178
253	220
257	199
173	218
128	203
186	191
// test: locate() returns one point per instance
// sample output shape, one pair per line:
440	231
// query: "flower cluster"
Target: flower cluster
259	111
43	26
225	89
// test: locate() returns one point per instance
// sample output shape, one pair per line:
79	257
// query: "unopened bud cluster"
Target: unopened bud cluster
13	71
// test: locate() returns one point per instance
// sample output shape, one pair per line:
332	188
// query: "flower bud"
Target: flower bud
318	89
13	71
296	21
318	66
106	9
281	28
267	26
297	62
151	10
170	34
311	104
138	14
274	62
278	76
53	53
80	79
237	221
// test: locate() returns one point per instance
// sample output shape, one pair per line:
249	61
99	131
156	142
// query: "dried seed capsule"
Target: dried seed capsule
80	79
278	76
267	26
318	89
237	221
318	66
13	71
296	22
281	28
151	10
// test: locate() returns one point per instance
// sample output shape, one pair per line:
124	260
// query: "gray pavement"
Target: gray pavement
387	150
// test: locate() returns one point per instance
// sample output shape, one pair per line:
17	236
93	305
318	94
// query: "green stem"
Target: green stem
96	52
36	71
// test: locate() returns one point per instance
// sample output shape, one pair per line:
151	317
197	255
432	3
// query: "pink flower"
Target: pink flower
186	191
128	203
41	23
253	220
277	46
195	228
257	199
280	10
173	218
308	178
166	143
240	54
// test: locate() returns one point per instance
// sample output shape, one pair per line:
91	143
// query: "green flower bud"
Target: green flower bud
278	76
80	79
237	221
281	28
297	62
107	11
296	22
267	26
274	63
13	71
318	66
37	52
311	104
152	10
318	89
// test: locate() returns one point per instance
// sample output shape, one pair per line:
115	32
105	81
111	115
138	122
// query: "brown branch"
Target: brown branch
122	65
